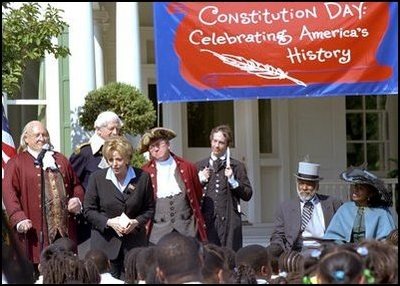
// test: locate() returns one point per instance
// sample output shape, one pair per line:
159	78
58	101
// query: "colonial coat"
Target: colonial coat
288	219
22	198
84	162
193	189
232	221
103	200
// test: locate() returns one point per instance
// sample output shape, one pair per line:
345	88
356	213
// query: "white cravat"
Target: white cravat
166	182
48	159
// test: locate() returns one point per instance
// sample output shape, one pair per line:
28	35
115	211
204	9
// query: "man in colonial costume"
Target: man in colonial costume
41	193
225	183
177	189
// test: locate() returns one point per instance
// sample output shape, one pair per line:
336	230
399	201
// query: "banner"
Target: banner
246	50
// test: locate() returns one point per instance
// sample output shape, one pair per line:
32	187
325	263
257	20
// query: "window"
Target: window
367	132
204	116
30	103
265	125
152	88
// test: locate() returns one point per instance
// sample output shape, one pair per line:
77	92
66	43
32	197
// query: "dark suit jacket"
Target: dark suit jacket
288	219
104	201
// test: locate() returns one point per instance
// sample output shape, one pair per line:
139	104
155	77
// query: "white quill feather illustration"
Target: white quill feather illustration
253	67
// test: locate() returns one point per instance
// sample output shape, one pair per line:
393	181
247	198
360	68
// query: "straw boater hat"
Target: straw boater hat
358	175
308	172
154	135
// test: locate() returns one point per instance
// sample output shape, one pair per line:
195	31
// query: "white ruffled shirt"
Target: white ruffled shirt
166	182
48	159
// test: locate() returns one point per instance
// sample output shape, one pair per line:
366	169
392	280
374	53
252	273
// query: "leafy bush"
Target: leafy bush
135	110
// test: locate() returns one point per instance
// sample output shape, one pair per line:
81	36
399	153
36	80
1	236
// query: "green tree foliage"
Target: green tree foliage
27	35
135	110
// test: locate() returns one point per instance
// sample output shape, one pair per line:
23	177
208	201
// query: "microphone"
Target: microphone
39	160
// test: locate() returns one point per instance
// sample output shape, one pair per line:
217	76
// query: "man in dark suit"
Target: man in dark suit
303	218
225	183
88	158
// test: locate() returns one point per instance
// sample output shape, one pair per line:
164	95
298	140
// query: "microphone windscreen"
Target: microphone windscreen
46	146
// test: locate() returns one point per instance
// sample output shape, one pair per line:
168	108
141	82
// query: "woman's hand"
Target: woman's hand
114	224
131	226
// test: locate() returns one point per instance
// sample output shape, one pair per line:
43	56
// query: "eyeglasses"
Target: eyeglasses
157	144
37	135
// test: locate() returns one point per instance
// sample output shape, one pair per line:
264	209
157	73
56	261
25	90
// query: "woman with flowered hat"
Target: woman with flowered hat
367	215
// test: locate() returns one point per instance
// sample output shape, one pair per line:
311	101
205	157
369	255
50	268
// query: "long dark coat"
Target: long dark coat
84	163
233	220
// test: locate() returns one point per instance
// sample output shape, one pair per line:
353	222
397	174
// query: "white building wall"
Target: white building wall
128	43
318	129
82	73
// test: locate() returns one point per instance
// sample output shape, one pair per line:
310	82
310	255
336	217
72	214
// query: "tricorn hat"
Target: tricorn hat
153	135
308	171
359	175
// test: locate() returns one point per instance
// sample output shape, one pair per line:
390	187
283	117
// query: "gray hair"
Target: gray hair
28	127
106	117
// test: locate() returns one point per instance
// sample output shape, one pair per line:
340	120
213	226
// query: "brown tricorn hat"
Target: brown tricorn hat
154	135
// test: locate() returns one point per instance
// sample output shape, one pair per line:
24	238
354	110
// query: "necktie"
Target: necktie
359	226
306	215
217	164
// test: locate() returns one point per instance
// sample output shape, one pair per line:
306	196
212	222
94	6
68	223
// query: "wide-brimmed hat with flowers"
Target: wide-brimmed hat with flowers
359	175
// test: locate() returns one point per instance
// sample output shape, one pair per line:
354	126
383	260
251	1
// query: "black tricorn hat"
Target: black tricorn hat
153	135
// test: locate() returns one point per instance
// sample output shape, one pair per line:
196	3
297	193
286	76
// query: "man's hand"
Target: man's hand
204	174
24	225
74	205
228	172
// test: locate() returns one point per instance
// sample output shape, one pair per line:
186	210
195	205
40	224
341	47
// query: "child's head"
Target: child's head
341	267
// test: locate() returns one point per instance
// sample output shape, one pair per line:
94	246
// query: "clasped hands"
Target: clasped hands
206	173
122	226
